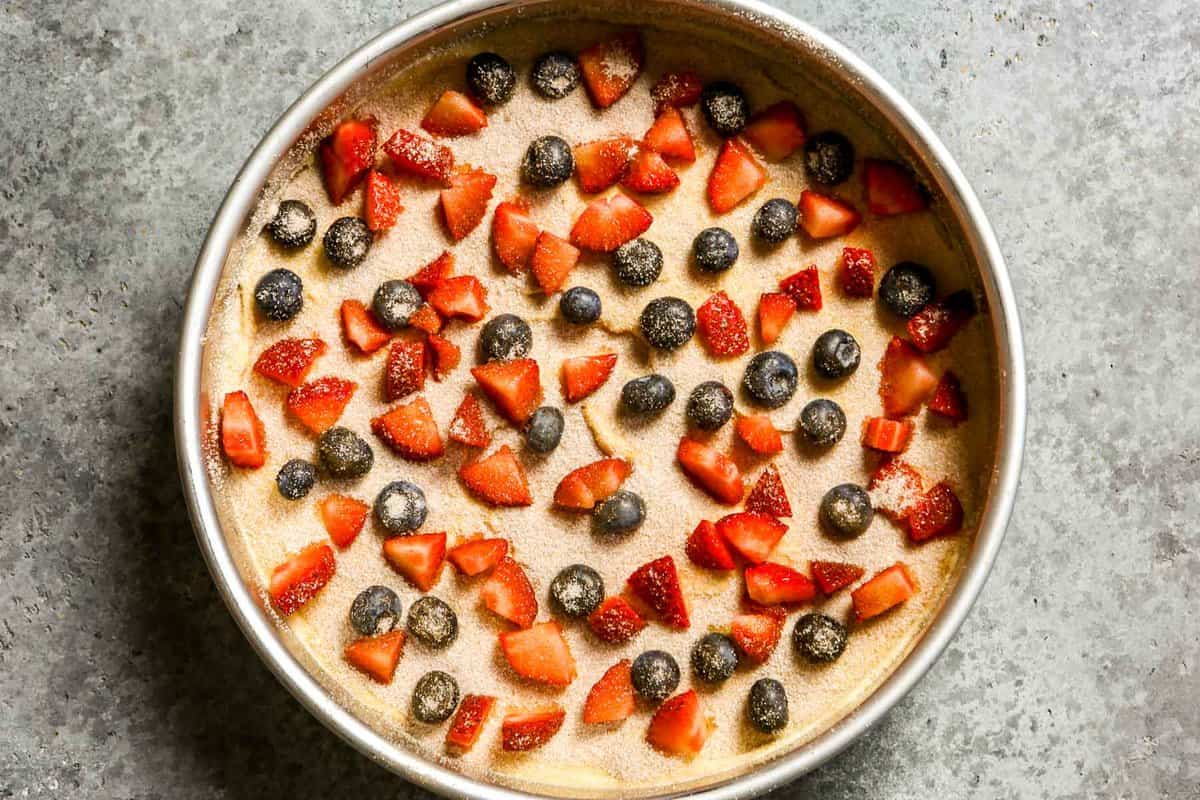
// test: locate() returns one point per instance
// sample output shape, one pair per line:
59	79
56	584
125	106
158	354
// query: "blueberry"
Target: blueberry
907	288
714	250
835	354
725	107
775	221
548	162
579	305
650	394
829	158
504	338
655	675
822	422
577	591
668	323
622	512
771	378
768	706
296	478
400	507
846	510
279	294
710	406
434	697
294	225
432	622
555	75
819	638
638	262
544	429
375	610
347	242
491	78
394	303
344	454
714	658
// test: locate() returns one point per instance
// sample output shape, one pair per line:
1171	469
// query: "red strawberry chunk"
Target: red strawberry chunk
706	548
650	174
857	272
615	621
426	319
430	276
343	518
468	722
346	156
948	399
823	217
410	430
804	287
530	730
774	311
383	205
509	594
319	404
759	434
609	222
583	375
553	260
468	426
736	175
756	634
463	297
832	576
514	386
669	137
711	470
888	589
361	329
454	114
610	67
895	489
657	585
906	381
676	89
774	584
752	534
514	235
419	156
768	495
539	653
600	164
464	204
934	326
405	372
418	557
939	513
679	726
298	579
289	360
377	656
477	555
446	356
611	699
777	131
498	479
722	326
243	438
887	435
891	189
586	486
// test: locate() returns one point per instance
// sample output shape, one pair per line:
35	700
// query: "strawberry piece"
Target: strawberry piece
934	326
610	67
712	471
361	329
649	173
319	404
498	479
419	156
609	222
669	136
446	356
477	555
377	656
833	576
289	360
611	699
508	593
722	326
823	217
463	297
774	311
583	375
243	438
615	621
752	534
514	235
346	155
468	426
857	272
948	399
410	430
679	726
430	276
464	203
774	584
454	114
891	189
706	548
768	495
887	435
888	589
756	634
530	730
539	653
777	131
588	485
298	579
343	518
383	205
906	381
468	722
759	434
418	557
405	372
553	260
939	513
676	90
657	585
600	164
426	319
896	489
804	288
736	175
514	386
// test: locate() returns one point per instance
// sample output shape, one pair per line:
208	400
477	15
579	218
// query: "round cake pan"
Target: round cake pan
350	80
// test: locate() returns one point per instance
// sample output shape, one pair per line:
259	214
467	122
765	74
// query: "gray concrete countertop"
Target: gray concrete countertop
121	675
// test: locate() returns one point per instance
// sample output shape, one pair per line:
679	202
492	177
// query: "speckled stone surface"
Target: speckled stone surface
121	675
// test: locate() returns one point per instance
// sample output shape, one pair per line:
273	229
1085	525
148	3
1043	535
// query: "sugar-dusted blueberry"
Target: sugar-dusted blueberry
400	507
655	675
490	78
829	158
347	242
293	226
667	323
835	354
714	658
295	478
375	610
710	406
279	294
771	378
775	221
544	430
580	305
432	621
621	512
725	108
907	288
822	422
819	638
434	697
714	250
548	162
577	590
344	454
768	705
394	303
638	263
555	75
504	338
649	394
846	510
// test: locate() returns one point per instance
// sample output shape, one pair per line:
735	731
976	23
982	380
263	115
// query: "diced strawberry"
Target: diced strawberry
553	260
948	399
454	114
609	222
289	360
774	311
586	486
425	318
419	156
509	594
895	489
360	327
539	653
611	699
857	272
319	404
462	296
298	579
736	175
657	585
722	326
804	287
768	495
756	634
888	589
498	479
610	67
759	434
343	518
833	576
677	90
887	435
669	137
939	513
615	621
774	584
934	326
377	656
468	426
243	438
583	375
446	356
410	430
514	386
777	131
514	235
823	217
649	173
468	722
679	726
906	381
711	470
752	534
346	156
405	372
600	164
464	203
706	548
383	205
418	557
530	730
477	555
430	276
891	189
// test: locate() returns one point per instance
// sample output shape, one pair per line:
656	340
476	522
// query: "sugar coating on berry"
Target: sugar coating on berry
655	675
293	225
714	658
668	322
768	705
344	453
491	78
819	638
710	405
577	590
347	241
555	75
775	221
725	107
434	697
638	262
375	610
432	622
